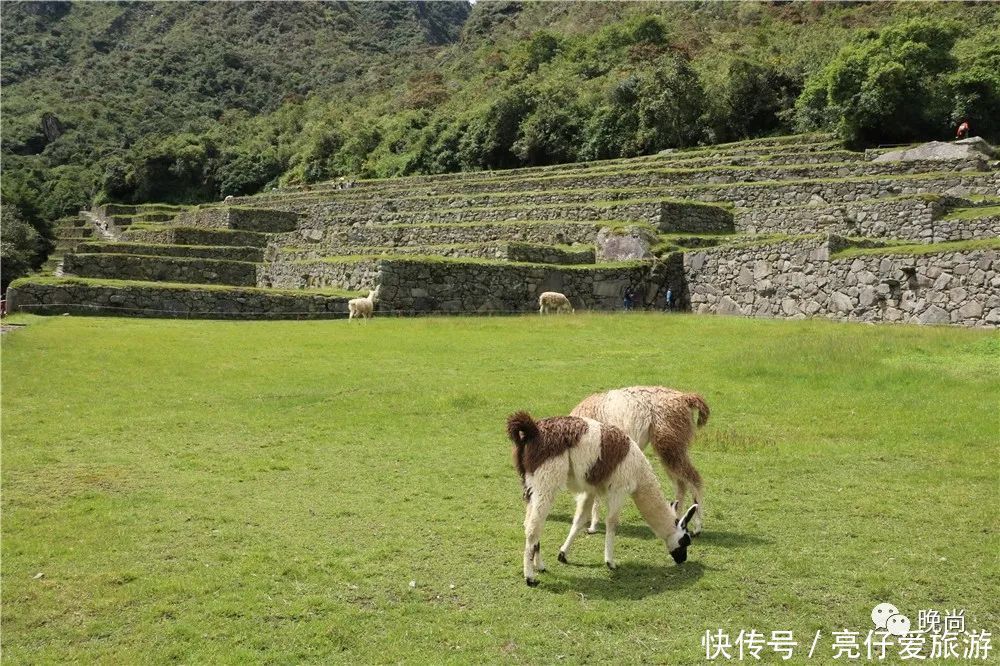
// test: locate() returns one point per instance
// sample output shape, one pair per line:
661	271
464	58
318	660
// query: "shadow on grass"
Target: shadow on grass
728	539
631	580
723	539
632	531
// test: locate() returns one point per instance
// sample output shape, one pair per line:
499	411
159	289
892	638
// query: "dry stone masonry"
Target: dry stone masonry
805	278
787	227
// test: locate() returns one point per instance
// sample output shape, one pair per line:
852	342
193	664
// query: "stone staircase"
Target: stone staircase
491	241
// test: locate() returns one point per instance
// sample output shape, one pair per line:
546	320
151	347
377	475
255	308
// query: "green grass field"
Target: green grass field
237	492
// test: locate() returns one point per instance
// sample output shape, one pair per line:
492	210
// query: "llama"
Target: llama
228	199
363	307
553	300
590	459
659	415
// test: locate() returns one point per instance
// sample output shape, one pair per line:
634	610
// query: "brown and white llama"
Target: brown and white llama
591	459
659	415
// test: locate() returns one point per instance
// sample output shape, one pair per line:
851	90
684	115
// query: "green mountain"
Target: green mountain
192	101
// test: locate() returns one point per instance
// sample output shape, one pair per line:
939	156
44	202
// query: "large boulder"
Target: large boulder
973	148
623	244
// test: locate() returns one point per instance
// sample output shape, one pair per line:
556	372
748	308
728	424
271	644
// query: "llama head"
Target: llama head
679	541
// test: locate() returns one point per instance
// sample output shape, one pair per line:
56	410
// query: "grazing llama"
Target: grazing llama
363	307
590	459
659	415
553	301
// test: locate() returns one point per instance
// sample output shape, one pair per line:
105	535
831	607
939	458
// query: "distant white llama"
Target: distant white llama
550	301
363	307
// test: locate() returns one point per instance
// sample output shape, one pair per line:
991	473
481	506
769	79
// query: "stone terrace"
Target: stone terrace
783	227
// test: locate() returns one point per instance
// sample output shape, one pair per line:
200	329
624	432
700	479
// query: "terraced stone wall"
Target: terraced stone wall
798	279
353	275
320	216
549	233
740	195
163	301
445	286
513	251
693	218
658	177
917	219
194	236
223	252
239	218
358	274
162	269
545	254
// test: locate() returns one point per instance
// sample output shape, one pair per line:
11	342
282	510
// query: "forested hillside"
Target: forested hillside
185	102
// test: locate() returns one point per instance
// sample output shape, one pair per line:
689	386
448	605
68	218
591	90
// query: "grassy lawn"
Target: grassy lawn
232	492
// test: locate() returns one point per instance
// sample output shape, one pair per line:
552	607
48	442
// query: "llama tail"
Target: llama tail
521	428
695	401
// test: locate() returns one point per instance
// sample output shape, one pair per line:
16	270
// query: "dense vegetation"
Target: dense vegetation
194	101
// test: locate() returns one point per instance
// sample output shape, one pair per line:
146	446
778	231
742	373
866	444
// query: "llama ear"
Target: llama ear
687	516
675	505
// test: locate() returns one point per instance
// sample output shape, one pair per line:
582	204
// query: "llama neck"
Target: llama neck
654	509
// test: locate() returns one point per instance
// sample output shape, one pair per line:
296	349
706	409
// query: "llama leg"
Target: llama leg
615	503
539	565
529	545
680	490
694	480
583	503
595	517
534	520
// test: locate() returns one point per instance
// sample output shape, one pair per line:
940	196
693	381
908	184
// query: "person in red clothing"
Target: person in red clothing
963	130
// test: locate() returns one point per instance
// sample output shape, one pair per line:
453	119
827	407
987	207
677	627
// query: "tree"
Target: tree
20	246
890	88
551	133
489	140
671	105
750	101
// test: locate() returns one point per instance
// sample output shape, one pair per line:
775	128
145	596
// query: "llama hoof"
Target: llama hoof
562	557
611	565
532	582
591	530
